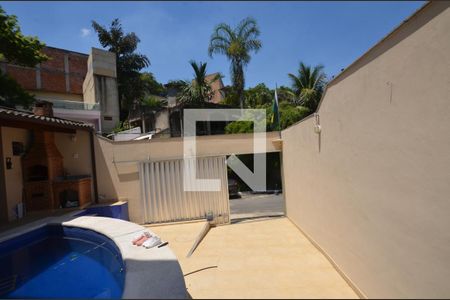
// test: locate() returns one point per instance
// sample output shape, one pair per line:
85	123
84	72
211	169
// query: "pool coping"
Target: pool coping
149	273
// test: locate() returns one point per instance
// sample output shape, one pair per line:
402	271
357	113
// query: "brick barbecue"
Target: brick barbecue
45	184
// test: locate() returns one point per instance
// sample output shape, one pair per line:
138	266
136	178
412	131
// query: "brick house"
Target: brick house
81	87
217	87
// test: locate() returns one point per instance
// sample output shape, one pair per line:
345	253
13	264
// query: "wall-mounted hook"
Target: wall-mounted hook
317	128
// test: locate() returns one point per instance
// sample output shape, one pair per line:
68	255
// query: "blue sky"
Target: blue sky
331	33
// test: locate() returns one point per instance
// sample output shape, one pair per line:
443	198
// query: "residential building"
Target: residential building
166	121
217	87
81	87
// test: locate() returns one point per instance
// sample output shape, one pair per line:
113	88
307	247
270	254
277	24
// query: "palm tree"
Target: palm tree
308	85
129	62
236	44
199	90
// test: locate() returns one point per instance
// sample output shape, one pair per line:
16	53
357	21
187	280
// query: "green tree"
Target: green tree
308	85
258	95
153	102
236	44
290	114
286	94
129	63
17	49
151	86
230	96
239	127
199	90
248	126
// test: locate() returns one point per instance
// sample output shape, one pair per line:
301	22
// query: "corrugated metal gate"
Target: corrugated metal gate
163	196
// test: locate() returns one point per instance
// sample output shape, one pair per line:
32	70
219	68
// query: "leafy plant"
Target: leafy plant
121	126
12	94
153	102
308	85
286	94
290	114
20	50
239	127
199	90
258	95
236	44
151	86
129	63
242	126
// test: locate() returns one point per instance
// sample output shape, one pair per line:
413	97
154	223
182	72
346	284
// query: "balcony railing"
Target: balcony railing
75	105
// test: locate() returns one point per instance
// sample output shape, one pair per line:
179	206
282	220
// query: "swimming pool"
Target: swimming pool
57	261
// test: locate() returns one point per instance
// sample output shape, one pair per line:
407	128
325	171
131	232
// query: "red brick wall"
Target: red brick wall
53	80
53	77
25	76
78	70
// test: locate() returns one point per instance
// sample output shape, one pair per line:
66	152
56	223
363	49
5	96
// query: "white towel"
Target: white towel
152	242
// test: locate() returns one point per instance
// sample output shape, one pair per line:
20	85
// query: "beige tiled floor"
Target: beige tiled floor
259	259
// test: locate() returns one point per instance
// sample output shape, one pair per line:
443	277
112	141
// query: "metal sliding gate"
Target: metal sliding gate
164	199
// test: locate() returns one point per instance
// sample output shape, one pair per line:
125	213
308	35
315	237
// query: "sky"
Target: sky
172	33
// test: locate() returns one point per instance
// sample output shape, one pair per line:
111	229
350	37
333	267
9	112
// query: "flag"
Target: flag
275	113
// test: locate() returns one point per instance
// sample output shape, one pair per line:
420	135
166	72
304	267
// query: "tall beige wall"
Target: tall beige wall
76	152
13	176
75	148
117	162
373	189
100	86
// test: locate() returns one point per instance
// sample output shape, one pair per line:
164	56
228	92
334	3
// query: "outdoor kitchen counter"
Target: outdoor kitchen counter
150	273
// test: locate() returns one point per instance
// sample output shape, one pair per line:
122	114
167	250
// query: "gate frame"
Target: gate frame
143	198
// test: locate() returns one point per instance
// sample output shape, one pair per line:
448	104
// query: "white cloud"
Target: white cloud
85	32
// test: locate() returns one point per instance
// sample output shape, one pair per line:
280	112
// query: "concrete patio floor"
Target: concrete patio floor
255	259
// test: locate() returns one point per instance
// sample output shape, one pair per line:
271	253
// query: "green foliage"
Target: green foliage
249	126
151	86
12	94
286	94
17	48
199	90
290	114
129	63
121	126
239	127
20	50
236	44
153	102
231	98
258	95
308	85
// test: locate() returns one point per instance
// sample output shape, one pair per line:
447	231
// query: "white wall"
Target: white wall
375	194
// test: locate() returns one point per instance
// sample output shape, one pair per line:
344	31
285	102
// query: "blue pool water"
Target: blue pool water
61	262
